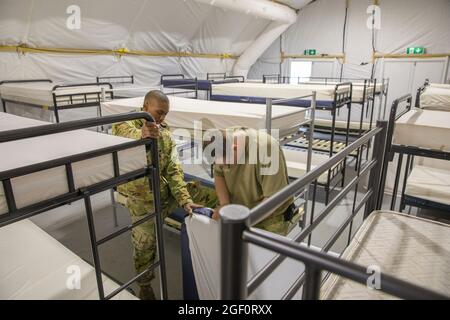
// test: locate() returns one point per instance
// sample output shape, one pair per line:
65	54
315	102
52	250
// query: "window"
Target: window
301	70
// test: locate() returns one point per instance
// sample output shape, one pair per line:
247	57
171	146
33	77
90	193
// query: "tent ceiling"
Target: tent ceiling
296	4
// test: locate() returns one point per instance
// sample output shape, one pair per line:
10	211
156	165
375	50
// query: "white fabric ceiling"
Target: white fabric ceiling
178	25
320	26
146	25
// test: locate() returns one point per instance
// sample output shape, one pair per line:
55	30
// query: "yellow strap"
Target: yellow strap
118	52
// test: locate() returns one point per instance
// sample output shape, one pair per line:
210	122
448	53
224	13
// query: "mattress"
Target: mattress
36	266
131	91
424	129
278	91
296	161
342	125
429	183
186	113
358	89
436	97
406	247
40	93
43	185
204	245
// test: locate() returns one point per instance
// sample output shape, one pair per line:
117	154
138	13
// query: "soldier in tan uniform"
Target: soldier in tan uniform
248	183
175	192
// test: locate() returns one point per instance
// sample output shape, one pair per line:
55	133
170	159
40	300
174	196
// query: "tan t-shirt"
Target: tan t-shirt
248	184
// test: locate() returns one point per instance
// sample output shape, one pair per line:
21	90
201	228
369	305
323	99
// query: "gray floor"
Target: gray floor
69	226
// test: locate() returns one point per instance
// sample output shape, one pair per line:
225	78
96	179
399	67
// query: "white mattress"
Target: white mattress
354	125
424	129
296	161
429	183
204	245
436	97
358	89
185	112
409	248
280	91
36	266
40	93
43	185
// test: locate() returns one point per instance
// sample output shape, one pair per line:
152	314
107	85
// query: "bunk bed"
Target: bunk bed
433	96
317	268
189	118
48	166
420	133
45	95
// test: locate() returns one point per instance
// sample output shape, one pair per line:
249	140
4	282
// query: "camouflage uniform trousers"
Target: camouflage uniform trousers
144	236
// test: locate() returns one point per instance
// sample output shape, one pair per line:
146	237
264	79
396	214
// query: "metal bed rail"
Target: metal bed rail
216	76
88	98
420	91
151	172
120	79
239	78
237	230
191	83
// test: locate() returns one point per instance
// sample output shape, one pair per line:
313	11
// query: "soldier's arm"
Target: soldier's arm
127	130
221	187
175	178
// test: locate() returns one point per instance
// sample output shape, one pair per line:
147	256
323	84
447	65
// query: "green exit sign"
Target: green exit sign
310	52
416	50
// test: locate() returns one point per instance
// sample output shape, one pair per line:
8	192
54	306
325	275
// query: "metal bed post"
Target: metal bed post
376	179
349	107
154	182
311	288
386	98
269	115
4	106
389	153
234	252
310	151
407	168
94	247
55	108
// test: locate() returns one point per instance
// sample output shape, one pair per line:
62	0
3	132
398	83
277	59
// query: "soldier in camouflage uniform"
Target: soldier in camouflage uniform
175	192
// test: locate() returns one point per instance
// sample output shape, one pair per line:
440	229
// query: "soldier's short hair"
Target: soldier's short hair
157	95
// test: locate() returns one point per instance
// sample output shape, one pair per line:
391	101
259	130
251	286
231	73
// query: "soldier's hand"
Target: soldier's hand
189	206
150	130
216	215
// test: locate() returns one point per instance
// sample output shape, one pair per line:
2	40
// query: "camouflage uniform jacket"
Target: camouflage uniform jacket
171	173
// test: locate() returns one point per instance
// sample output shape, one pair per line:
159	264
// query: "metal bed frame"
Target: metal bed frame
74	100
237	230
223	76
340	100
112	79
369	99
151	172
420	91
410	152
197	84
278	79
